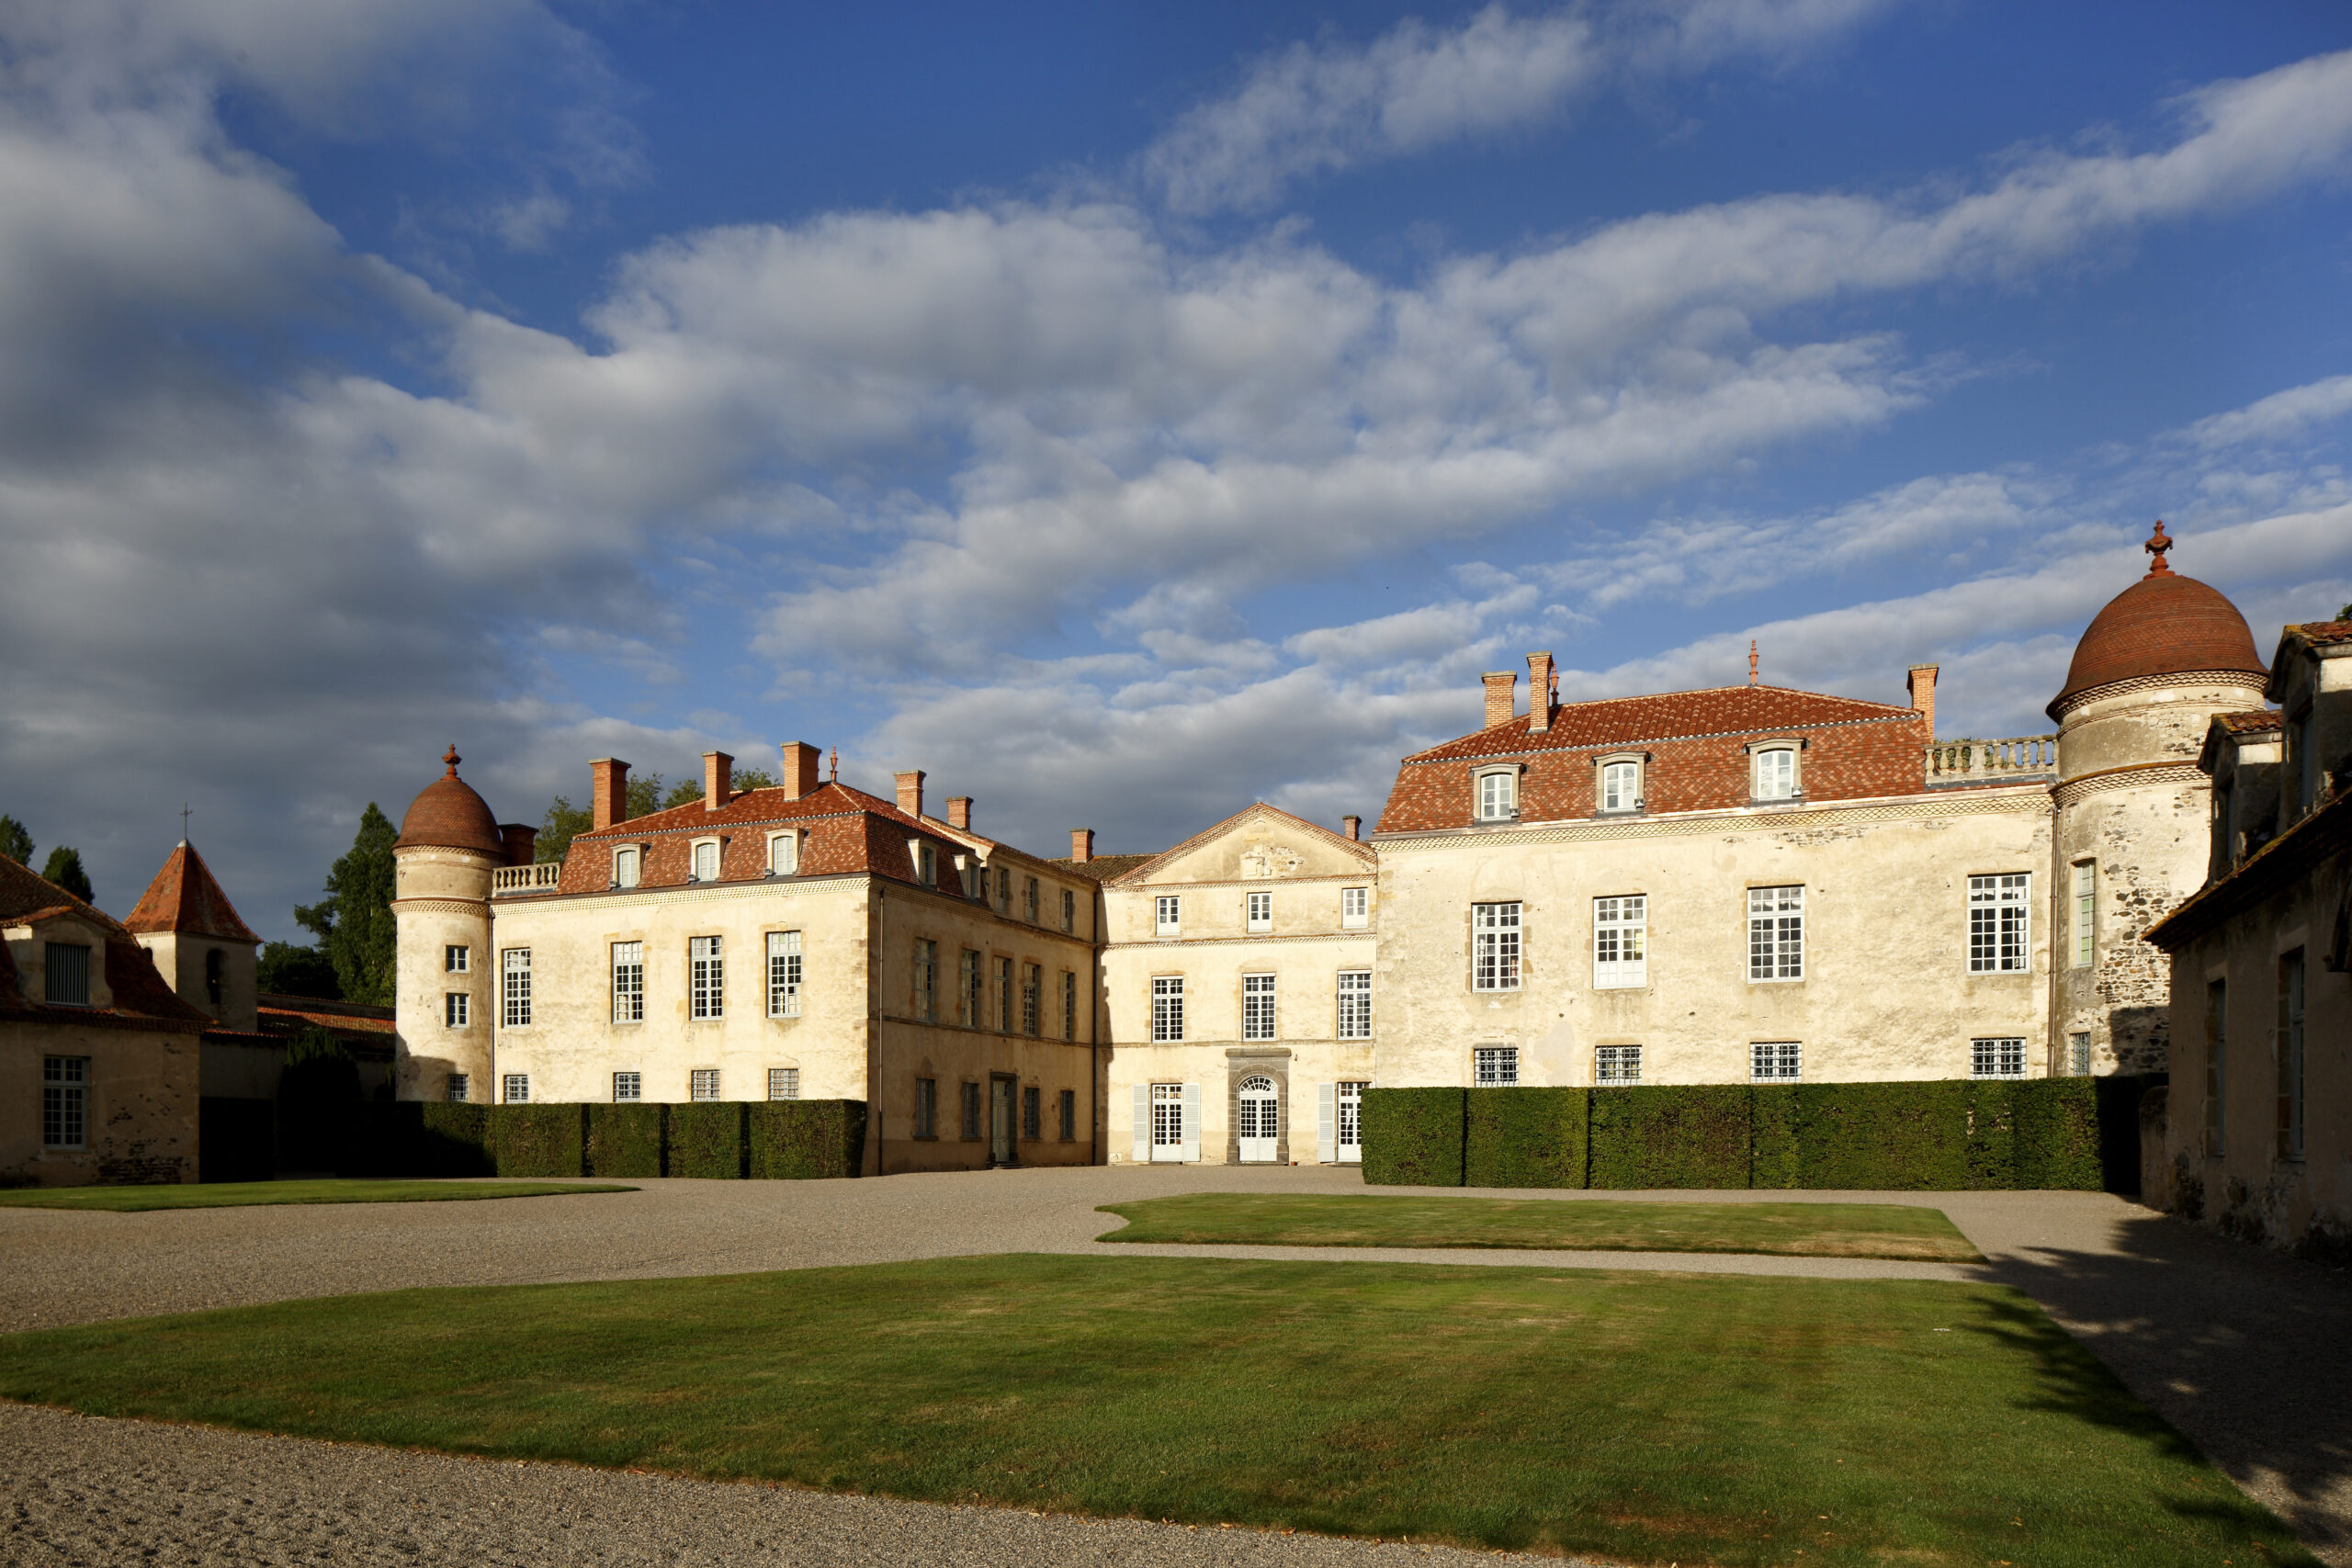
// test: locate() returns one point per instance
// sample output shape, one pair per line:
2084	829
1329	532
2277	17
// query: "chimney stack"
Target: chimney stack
1081	844
959	812
718	780
800	760
1499	702
1354	825
1922	687
521	841
911	792
1541	682
609	792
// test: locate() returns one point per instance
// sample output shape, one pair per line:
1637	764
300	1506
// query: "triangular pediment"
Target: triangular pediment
1260	843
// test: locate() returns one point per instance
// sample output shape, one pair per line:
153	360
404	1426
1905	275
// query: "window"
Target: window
705	977
2078	1054
2301	773
65	1101
1997	925
1070	911
784	855
458	1086
625	867
1355	908
628	982
1256	1007
1029	900
1167	1007
1776	933
973	988
1620	786
1775	1061
628	1088
784	1083
455	960
971	1110
1494	947
706	861
784	974
65	975
1617	1064
1498	795
926	1107
1348	1103
1621	941
1033	1112
1170	910
1355	1004
2290	1055
518	1089
1496	1065
926	979
1003	888
702	1083
1069	1115
1032	983
2085	914
454	1008
1775	773
2217	1065
1261	911
216	976
1166	1115
926	862
516	987
1069	1004
1004	995
2003	1058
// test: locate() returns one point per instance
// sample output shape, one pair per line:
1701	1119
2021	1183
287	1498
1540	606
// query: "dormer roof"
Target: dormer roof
184	898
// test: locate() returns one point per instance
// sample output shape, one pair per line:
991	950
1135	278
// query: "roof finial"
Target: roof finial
186	812
1752	661
2157	546
452	758
837	765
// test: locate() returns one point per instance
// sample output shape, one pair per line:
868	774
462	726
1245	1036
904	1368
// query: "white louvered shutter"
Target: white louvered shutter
1191	1148
1143	1124
1327	1122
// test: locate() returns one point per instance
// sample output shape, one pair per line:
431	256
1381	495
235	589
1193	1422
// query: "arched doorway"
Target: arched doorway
1261	1107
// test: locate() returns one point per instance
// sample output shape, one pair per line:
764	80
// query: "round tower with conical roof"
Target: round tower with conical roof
449	850
2132	835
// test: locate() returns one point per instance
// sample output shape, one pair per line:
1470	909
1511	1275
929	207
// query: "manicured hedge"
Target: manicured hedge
799	1139
707	1139
625	1140
2058	1127
1897	1136
450	1140
1528	1137
1413	1137
1669	1136
1773	1158
541	1140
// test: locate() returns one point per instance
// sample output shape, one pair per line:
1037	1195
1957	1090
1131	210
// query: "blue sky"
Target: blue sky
1121	415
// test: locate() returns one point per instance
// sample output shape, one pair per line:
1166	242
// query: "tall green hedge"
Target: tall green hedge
1895	1136
1528	1137
707	1139
1773	1162
799	1139
1413	1137
625	1140
541	1140
451	1140
1696	1136
2058	1134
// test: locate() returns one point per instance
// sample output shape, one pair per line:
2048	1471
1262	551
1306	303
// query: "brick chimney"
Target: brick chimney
718	780
521	841
911	792
1081	844
1499	701
1922	687
800	760
609	791
1541	683
1355	826
959	812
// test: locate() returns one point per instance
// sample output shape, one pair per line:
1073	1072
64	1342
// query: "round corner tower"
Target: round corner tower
445	859
2131	834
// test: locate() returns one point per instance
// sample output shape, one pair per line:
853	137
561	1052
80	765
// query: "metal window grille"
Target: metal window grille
2085	914
1496	796
1256	1007
1261	911
625	868
518	1089
456	1006
1355	1004
628	1087
516	1005
1775	1061
1997	921
971	1110
784	855
1351	1114
1496	1065
1776	933
1494	947
454	960
1167	1007
702	1083
974	989
705	977
1069	1004
1776	774
65	1101
1004	997
1033	982
1166	1115
1621	941
2003	1058
2078	1052
926	999
1355	904
1033	1112
1620	785
2290	1055
1617	1064
926	1107
458	1086
784	974
628	982
1170	910
1070	911
1069	1114
784	1083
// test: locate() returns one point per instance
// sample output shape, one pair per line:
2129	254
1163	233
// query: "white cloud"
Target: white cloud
2279	416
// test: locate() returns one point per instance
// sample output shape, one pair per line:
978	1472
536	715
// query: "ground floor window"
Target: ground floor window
1350	1118
628	1087
1775	1061
784	1083
2078	1054
1033	1112
1166	1115
518	1089
1496	1065
1617	1064
64	1102
971	1110
459	1086
1069	1115
702	1083
926	1107
2003	1058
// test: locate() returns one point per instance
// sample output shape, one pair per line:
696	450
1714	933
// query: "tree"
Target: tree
563	818
685	792
354	921
64	868
753	778
290	971
15	842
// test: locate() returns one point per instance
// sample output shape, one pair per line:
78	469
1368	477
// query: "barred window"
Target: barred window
1494	947
926	1107
1033	1112
1256	1007
1262	912
626	863
65	974
2078	1054
1997	919
1355	1004
926	978
702	1083
974	991
1170	909
1621	941
1033	982
1355	908
705	978
784	974
1496	1065
1617	1064
1776	933
628	982
1775	1061
456	1008
65	1101
1167	1007
971	1110
515	1008
628	1087
2003	1058
1069	1004
458	1087
1069	1115
518	1089
784	1083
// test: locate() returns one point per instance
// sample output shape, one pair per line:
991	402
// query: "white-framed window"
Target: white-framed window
1997	921
1499	793
784	974
1256	1007
65	974
1621	941
784	1083
1168	1115
64	1102
706	978
517	1089
702	1083
1775	1061
1069	1004
2086	913
1494	947
1355	908
2078	1053
1170	909
457	1008
628	982
783	853
1348	1103
1355	1004
706	861
1032	1001
455	960
1261	911
456	1087
1620	786
1070	911
926	978
514	988
1776	933
925	859
1166	1006
1495	1067
628	1088
629	867
2001	1058
1617	1065
1773	774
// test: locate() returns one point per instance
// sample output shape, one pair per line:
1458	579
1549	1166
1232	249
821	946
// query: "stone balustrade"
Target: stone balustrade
2017	760
538	877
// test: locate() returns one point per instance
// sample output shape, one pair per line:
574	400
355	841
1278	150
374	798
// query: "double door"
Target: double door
1260	1120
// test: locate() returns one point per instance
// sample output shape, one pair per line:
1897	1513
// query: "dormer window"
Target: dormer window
705	861
1621	784
783	853
65	974
1497	794
1774	772
925	858
628	867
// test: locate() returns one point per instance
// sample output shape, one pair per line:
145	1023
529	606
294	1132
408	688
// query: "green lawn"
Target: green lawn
243	1194
1804	1230
1723	1419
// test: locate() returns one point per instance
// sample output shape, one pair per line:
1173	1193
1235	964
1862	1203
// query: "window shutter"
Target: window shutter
1327	1122
1142	1152
1191	1147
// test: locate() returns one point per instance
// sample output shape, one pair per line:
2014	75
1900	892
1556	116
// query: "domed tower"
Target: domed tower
2132	836
448	848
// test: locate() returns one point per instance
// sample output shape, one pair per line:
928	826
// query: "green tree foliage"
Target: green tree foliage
290	971
753	778
354	921
685	792
15	841
64	868
563	818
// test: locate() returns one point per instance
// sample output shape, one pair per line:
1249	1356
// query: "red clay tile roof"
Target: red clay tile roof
141	998
2321	632
1668	716
2162	624
2251	722
1104	868
184	898
447	814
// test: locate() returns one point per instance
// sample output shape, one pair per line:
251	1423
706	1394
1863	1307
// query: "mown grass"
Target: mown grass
245	1194
1802	1230
1645	1416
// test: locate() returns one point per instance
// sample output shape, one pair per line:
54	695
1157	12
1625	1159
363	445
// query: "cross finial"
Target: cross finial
186	812
1752	661
452	758
2157	546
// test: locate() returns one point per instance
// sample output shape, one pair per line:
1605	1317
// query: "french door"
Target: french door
1351	1138
1168	1122
1260	1104
1000	1123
